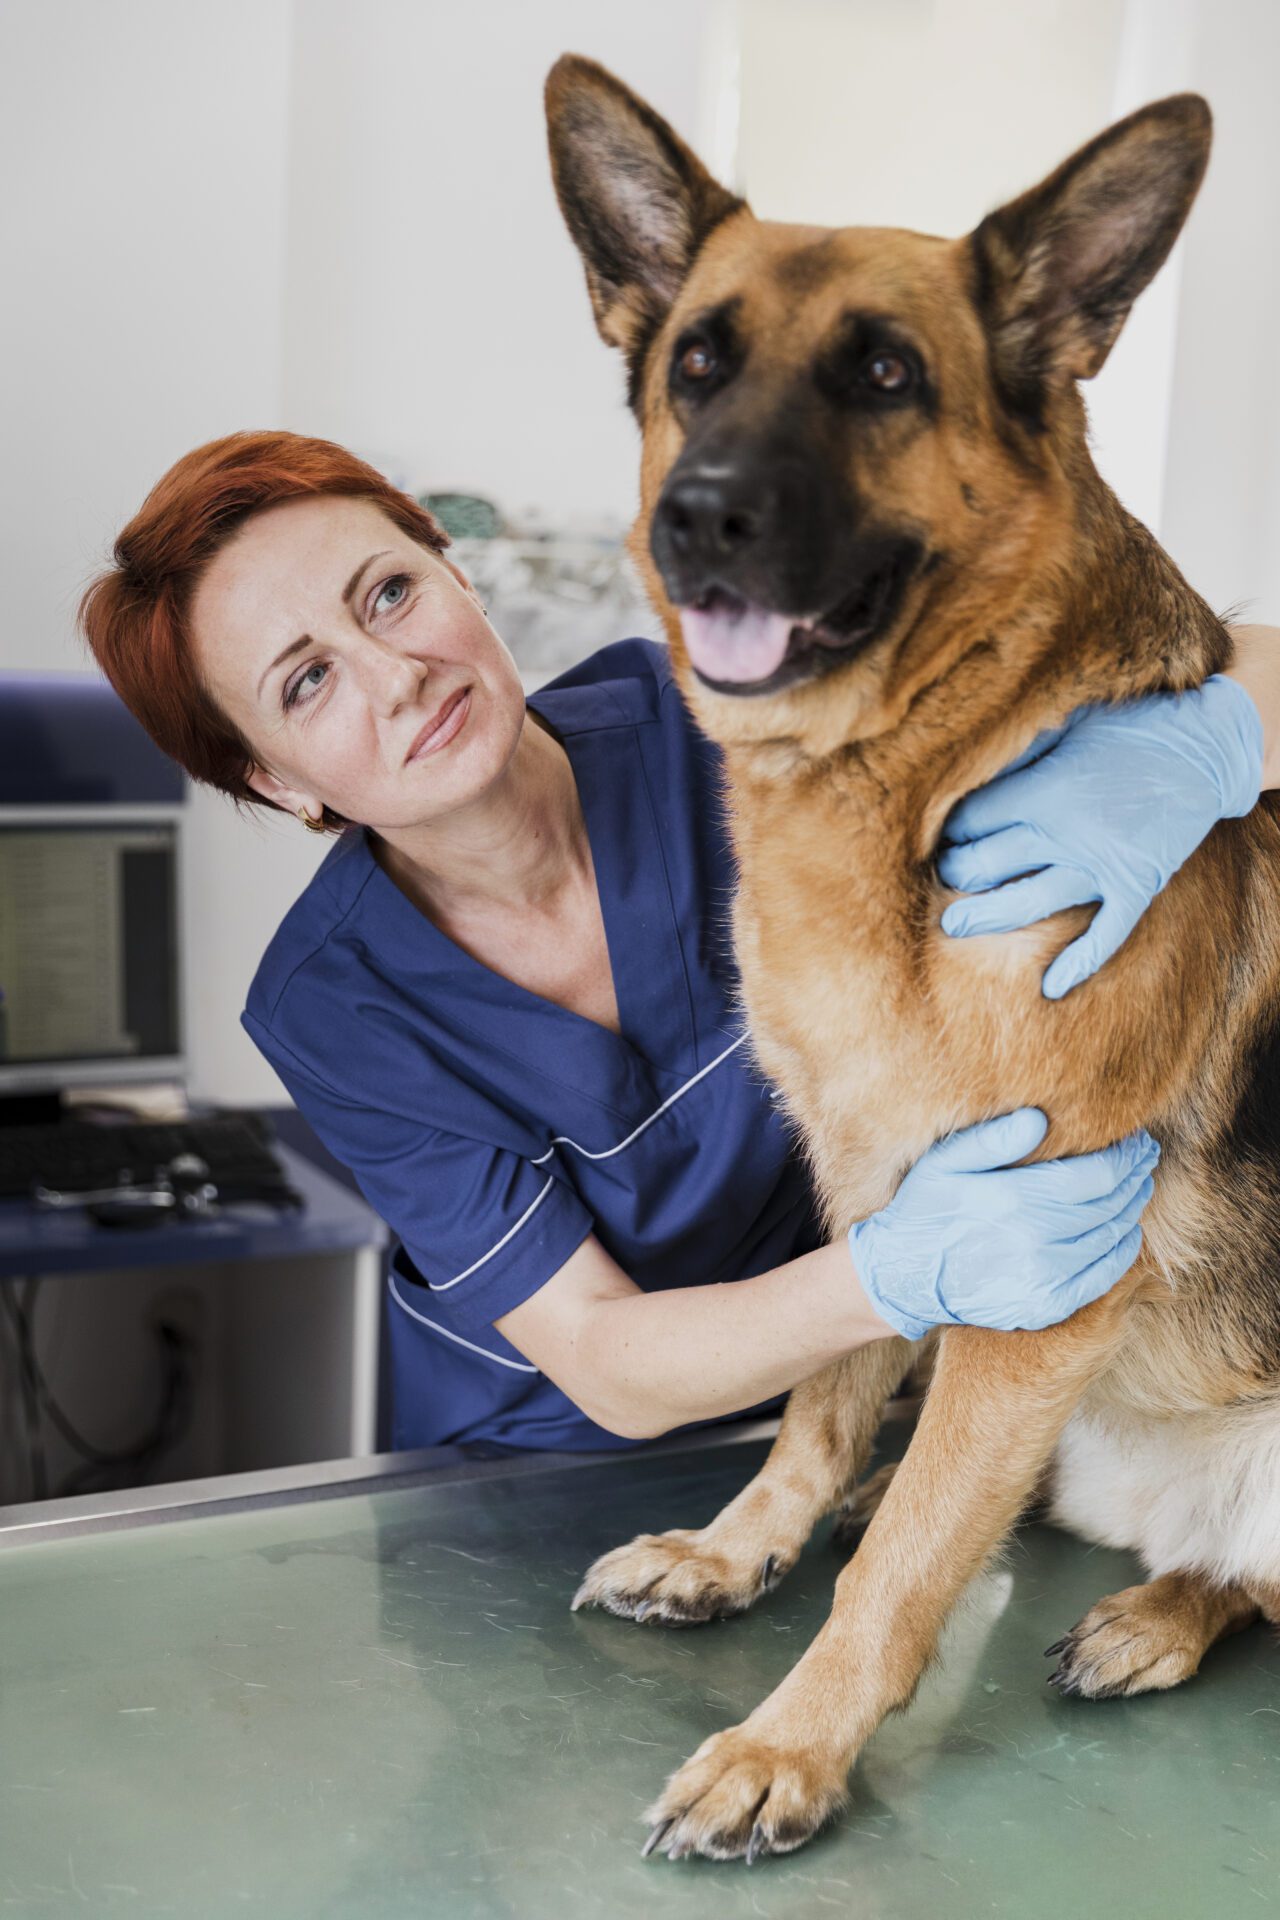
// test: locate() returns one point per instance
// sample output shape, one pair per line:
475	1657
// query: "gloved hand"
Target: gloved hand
1106	808
970	1239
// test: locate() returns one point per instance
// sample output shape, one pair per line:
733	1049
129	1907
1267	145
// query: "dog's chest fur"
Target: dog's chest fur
883	1034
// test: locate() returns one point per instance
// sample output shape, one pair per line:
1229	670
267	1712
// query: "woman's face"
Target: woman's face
358	665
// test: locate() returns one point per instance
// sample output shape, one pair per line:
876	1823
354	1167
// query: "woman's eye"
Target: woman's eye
400	581
302	688
888	372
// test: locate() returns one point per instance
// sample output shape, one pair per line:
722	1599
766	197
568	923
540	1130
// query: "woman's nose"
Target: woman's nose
390	678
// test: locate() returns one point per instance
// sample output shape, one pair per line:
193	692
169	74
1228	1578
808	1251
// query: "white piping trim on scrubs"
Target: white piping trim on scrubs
608	1153
517	1366
560	1139
467	1272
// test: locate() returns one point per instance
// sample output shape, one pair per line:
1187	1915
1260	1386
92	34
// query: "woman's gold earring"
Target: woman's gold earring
312	826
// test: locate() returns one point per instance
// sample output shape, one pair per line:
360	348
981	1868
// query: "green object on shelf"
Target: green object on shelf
464	516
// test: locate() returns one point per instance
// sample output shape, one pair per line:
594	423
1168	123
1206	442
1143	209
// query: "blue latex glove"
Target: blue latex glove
969	1239
1106	808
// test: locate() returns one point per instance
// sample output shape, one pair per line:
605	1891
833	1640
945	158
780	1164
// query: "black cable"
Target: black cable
30	1378
174	1415
171	1422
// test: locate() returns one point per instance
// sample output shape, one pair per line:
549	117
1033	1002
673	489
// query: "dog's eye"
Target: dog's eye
888	373
697	361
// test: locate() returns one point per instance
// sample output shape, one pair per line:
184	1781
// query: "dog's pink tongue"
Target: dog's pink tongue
745	644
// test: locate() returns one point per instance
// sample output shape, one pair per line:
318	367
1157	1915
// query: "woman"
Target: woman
507	998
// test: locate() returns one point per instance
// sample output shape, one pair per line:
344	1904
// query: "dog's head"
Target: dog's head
859	443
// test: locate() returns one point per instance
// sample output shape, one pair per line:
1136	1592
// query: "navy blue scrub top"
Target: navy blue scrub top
494	1130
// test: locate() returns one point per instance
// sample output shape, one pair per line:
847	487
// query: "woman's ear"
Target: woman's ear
289	799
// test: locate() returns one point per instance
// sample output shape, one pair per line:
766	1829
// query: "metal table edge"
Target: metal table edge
326	1480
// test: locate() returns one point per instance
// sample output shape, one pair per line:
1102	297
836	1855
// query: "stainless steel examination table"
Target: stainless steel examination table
358	1690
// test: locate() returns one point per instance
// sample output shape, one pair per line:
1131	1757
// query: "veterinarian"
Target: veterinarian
507	999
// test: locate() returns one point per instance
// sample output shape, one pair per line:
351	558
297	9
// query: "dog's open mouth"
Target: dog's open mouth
737	647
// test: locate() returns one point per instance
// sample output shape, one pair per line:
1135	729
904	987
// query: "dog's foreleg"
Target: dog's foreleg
694	1574
994	1412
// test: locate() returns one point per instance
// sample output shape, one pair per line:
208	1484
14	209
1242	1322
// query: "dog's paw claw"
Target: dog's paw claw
1130	1642
742	1797
656	1836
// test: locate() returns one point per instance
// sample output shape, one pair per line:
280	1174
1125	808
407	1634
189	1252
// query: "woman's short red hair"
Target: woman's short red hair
135	616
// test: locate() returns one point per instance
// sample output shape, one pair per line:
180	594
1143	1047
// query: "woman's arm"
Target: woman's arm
1257	667
641	1363
970	1237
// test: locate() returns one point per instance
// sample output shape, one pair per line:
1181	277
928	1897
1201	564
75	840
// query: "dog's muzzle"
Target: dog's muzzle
736	556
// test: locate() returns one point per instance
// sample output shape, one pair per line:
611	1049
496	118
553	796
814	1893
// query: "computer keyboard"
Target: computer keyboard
75	1155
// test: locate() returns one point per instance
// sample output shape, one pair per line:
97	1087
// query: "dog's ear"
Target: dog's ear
637	202
1058	269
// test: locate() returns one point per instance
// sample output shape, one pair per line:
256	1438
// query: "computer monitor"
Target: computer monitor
89	947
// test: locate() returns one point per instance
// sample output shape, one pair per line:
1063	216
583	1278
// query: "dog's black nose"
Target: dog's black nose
712	514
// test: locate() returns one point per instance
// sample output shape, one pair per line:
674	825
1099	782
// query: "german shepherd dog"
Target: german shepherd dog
885	562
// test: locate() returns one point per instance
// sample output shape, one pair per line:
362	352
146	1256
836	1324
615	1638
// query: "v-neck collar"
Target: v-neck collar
650	982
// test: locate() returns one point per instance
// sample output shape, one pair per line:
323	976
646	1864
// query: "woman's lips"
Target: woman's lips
440	732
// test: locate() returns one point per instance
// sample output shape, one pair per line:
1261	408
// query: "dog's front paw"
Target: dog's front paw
740	1794
680	1578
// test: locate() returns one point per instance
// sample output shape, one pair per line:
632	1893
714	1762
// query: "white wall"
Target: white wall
1222	501
333	218
435	310
143	145
922	114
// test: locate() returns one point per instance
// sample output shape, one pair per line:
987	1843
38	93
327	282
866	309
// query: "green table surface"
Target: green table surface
379	1704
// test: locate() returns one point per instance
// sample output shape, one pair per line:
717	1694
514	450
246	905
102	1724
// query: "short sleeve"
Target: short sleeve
484	1227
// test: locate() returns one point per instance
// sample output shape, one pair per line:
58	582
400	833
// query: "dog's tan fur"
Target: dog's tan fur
884	1034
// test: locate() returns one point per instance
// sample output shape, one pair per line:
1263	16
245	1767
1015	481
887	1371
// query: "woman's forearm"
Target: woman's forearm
1256	666
660	1360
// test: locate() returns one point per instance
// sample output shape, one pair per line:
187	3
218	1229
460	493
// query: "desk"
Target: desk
359	1692
294	1307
